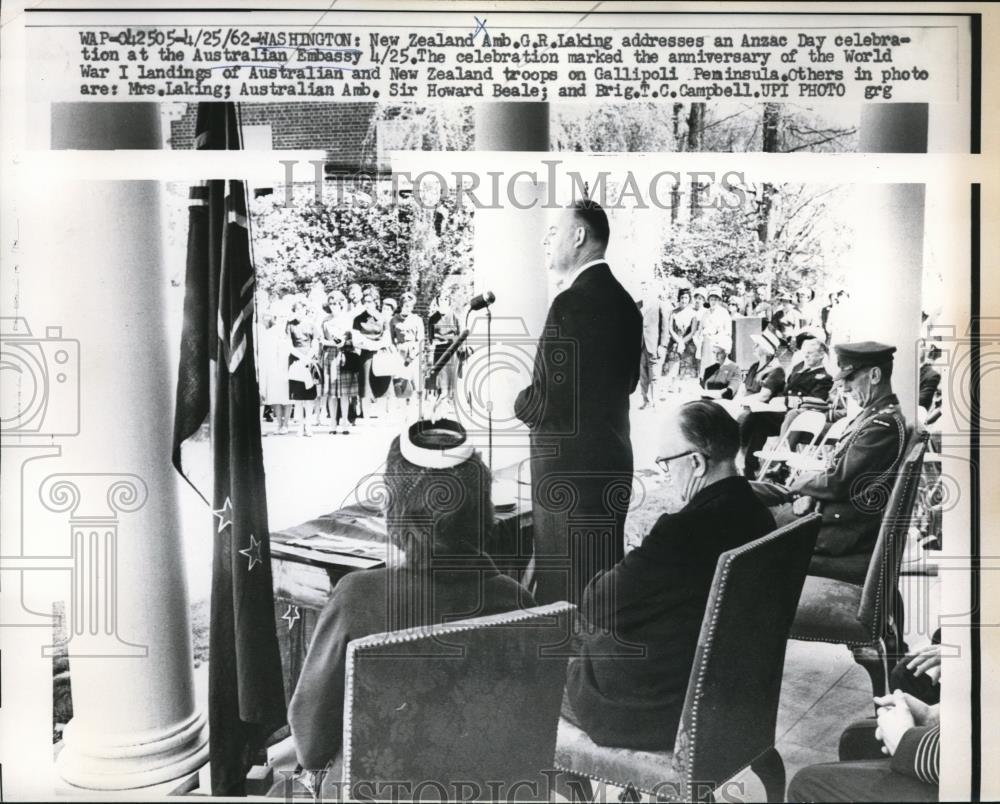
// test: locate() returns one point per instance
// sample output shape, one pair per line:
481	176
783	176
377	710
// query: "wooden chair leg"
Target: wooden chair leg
876	663
771	771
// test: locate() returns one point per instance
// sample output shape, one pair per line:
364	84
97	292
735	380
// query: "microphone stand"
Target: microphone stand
489	387
489	382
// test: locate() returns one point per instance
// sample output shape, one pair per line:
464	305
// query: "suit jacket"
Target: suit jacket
654	599
854	489
803	382
586	367
654	327
577	406
372	602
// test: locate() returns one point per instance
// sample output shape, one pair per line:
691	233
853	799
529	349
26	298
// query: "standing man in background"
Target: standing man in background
655	337
577	407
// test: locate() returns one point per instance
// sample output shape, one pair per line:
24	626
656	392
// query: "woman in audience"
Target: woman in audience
340	379
439	520
764	379
715	323
302	363
723	376
367	332
682	353
447	325
274	349
407	330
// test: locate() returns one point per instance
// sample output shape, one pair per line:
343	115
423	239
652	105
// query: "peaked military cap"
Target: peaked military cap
852	357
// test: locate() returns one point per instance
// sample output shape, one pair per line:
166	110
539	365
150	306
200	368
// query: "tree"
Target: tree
359	235
723	245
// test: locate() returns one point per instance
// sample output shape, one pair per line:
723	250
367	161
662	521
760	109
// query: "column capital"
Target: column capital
92	495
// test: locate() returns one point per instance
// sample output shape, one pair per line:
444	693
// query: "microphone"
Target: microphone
482	301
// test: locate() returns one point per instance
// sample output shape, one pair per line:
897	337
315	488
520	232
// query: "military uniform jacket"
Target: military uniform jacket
803	382
855	488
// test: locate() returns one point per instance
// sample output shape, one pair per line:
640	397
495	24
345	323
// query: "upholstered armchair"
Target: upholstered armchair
473	703
731	708
863	617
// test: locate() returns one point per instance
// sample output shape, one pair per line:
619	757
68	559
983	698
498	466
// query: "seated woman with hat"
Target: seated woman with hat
439	517
764	380
723	376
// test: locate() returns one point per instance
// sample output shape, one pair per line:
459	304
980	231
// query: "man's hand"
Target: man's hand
797	485
927	661
802	506
923	714
894	719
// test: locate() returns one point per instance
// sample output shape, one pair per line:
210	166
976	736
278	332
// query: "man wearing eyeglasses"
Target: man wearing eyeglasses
655	597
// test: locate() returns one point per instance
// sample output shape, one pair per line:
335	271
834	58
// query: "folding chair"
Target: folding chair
812	458
810	422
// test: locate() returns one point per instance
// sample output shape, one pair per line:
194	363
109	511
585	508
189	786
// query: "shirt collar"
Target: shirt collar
573	275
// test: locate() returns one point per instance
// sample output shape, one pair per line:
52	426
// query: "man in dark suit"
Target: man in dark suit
577	407
655	337
655	598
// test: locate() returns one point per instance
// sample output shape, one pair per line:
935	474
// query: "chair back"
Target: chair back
731	706
475	700
808	421
883	572
836	430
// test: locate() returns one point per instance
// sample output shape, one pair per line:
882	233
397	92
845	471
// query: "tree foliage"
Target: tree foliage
359	235
723	245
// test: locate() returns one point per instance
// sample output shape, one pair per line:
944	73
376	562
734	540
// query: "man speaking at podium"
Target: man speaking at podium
577	408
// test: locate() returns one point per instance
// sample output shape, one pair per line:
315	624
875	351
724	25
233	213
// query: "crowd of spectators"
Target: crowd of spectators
333	362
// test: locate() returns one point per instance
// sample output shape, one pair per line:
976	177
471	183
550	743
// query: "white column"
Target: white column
98	246
889	247
509	260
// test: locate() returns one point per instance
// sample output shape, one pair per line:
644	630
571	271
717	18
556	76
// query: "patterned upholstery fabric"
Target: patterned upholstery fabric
732	697
650	771
476	700
827	605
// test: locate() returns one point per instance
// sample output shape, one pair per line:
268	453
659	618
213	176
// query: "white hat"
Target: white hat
440	444
766	341
723	342
713	290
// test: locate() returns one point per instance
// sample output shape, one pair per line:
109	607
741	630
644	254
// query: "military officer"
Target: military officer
851	493
810	383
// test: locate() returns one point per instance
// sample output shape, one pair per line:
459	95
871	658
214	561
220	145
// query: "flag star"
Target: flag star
225	514
252	552
291	616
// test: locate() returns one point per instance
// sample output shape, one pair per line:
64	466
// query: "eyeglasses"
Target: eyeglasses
664	463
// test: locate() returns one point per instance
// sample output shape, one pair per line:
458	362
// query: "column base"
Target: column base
124	762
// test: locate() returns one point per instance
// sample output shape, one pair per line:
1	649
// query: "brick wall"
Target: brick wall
340	129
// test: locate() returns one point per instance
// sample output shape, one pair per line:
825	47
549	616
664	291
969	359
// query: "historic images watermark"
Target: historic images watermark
497	189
